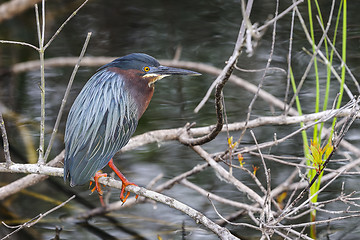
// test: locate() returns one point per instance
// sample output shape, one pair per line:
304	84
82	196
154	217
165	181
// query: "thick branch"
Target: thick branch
29	180
32	169
226	176
223	233
173	134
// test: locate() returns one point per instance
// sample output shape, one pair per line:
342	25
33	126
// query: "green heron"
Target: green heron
105	114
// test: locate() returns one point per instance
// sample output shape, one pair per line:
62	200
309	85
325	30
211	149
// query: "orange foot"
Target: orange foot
97	187
125	182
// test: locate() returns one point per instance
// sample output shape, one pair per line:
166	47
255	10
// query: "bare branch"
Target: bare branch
19	43
63	25
227	177
280	15
28	180
227	70
218	198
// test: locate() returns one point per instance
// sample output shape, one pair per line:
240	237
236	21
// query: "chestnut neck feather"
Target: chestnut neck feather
137	86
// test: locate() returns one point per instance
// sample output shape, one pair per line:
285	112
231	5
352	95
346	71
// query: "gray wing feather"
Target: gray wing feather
101	121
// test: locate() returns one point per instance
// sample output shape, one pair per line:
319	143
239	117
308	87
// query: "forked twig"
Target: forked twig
63	25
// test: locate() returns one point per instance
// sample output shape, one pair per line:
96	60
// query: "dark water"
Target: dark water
206	31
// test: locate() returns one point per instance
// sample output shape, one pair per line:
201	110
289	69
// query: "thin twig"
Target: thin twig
218	198
5	141
227	70
289	62
220	83
318	52
336	143
261	80
19	43
39	28
317	222
331	114
313	57
235	224
34	220
63	25
267	200
254	178
42	23
227	177
260	70
280	15
292	209
355	81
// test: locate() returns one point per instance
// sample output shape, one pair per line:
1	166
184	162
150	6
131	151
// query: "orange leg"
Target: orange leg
125	182
97	187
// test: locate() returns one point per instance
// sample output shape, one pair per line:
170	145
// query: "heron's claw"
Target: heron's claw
97	186
124	185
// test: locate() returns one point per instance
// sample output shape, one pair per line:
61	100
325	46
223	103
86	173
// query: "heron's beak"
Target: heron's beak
160	72
163	70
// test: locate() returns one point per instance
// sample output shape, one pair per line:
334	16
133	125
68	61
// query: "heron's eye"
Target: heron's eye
146	69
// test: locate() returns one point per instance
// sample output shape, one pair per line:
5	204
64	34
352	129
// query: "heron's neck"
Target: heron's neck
139	89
